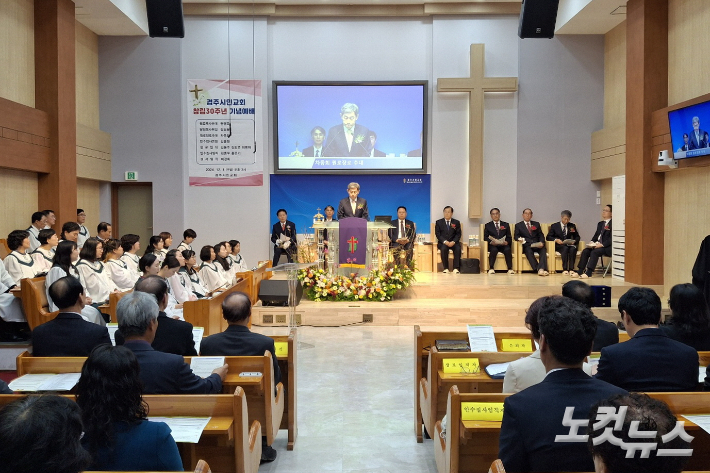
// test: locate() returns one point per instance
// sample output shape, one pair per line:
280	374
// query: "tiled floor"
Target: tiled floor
355	404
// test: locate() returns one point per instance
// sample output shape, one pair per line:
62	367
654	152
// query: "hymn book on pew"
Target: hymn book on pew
184	429
197	334
481	338
203	366
45	382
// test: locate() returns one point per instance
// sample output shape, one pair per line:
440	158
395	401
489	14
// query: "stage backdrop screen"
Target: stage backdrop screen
690	127
350	127
301	196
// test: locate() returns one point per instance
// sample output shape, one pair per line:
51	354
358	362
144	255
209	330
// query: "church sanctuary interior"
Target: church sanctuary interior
102	111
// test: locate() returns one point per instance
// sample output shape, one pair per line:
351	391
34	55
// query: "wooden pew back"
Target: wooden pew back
4	249
287	365
113	299
207	312
34	302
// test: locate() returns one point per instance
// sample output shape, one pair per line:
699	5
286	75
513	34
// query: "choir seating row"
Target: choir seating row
228	442
469	446
274	406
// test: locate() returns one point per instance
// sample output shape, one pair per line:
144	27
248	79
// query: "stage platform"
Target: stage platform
446	300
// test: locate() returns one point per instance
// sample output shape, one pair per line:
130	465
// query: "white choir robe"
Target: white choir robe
160	254
177	287
88	313
170	310
97	282
34	238
213	276
198	286
43	260
239	263
83	236
183	246
131	261
10	306
20	266
121	275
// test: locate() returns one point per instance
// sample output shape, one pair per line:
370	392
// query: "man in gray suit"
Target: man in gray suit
697	136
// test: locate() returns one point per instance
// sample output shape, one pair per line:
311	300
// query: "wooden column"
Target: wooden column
646	91
55	94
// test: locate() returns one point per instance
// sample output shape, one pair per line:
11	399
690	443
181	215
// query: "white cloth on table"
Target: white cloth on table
88	313
10	306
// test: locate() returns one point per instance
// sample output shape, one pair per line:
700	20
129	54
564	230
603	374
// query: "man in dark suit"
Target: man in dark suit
353	206
697	136
529	233
607	332
347	139
496	229
533	418
287	228
374	152
402	236
68	334
161	373
649	361
598	247
448	237
173	335
559	233
316	150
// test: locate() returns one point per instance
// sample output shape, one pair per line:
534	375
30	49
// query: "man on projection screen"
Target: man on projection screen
347	139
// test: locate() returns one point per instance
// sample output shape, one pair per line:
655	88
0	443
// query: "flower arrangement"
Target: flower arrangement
379	285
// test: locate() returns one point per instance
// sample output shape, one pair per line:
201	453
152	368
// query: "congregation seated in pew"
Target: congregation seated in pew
161	373
172	335
690	317
42	434
118	434
533	417
68	334
607	332
649	361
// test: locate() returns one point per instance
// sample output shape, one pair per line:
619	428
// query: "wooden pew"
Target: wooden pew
207	312
113	299
425	339
287	365
228	443
34	302
4	249
266	399
471	446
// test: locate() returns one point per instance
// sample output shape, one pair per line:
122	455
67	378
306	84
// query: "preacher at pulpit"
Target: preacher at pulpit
353	206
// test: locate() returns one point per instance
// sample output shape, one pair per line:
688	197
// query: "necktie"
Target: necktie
317	153
353	206
448	225
401	228
283	227
497	228
528	225
564	231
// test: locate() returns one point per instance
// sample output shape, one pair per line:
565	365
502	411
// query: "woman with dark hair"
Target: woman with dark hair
180	285
19	262
211	272
155	246
118	434
190	271
149	265
70	232
221	253
131	243
42	434
44	254
690	321
95	278
64	258
528	371
167	241
168	269
238	263
118	270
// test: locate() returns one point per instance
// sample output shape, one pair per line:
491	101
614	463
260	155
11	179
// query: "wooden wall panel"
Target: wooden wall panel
87	76
18	194
87	198
688	37
615	77
17	71
606	196
93	153
608	152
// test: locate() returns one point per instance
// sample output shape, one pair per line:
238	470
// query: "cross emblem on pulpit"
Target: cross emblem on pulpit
476	85
352	244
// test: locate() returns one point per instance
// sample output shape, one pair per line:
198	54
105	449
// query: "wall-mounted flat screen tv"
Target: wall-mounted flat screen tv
690	130
350	127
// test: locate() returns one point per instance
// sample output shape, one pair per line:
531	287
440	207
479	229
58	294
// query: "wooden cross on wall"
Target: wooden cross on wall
476	86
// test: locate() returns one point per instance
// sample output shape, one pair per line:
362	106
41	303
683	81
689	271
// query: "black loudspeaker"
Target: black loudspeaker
274	292
470	266
165	18
538	18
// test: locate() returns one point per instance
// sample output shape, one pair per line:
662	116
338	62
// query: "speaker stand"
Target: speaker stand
291	270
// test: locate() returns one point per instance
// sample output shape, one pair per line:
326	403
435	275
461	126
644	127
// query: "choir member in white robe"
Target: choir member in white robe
70	232
191	273
211	273
180	285
155	246
83	231
149	265
188	236
10	306
44	255
238	262
117	269
19	262
67	253
97	282
221	251
131	244
168	269
39	221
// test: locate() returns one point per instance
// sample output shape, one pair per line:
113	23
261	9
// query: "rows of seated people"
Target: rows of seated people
147	359
105	265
